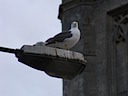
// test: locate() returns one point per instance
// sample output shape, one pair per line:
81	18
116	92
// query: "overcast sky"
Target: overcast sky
26	22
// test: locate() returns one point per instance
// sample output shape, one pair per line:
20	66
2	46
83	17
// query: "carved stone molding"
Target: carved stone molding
118	44
120	28
74	3
119	24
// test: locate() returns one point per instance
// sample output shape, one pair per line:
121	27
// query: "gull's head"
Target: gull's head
74	25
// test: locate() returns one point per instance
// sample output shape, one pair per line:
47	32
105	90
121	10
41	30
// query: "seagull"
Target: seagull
66	39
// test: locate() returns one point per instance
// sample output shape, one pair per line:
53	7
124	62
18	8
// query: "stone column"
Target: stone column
82	12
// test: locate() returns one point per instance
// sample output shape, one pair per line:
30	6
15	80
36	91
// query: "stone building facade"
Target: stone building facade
104	42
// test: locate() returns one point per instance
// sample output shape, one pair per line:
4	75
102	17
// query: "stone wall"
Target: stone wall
104	42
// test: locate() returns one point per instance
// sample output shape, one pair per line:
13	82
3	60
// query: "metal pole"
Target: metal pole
9	50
